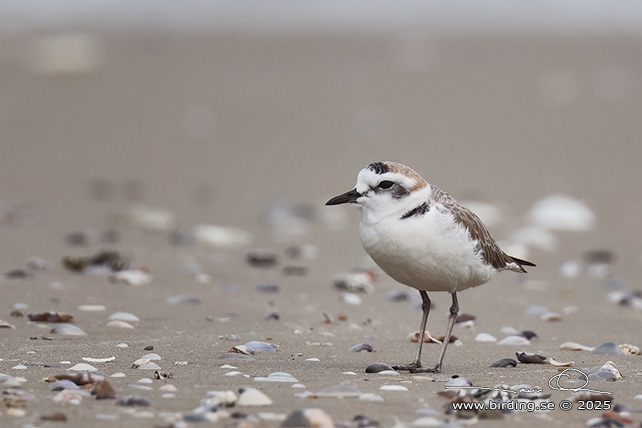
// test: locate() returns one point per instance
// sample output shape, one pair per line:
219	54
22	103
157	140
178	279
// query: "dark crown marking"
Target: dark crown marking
379	168
417	211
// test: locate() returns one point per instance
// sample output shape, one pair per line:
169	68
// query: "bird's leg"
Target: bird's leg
425	307
454	311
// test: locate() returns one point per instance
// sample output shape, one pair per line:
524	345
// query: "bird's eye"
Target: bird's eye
385	184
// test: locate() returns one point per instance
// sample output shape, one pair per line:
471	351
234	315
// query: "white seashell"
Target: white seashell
369	396
414	337
124	316
67	330
514	340
628	349
122	345
572	346
220	398
98	360
551	317
485	337
312	359
393	388
145	380
134	277
277	377
354	282
119	374
153	356
82	367
152	219
508	330
236	373
561	212
253	397
168	388
119	324
227	366
148	366
572	268
19	367
555	363
91	308
298	385
261	346
168	395
351	298
221	237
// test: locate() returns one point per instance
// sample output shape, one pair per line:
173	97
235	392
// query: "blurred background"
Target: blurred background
232	112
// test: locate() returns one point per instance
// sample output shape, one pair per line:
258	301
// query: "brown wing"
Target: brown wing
486	245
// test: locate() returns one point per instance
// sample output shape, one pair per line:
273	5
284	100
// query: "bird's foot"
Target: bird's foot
418	368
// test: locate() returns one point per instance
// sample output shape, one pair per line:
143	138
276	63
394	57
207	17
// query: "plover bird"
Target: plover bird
423	238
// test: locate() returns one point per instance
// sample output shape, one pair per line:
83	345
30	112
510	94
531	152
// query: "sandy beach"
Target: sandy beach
129	141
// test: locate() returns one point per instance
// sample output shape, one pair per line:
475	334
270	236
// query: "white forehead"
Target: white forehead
368	179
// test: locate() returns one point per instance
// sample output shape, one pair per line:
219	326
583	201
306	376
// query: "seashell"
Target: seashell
572	346
133	400
257	346
534	236
82	367
119	324
241	349
50	317
339	391
103	390
485	337
555	363
378	367
91	308
608	348
369	396
393	388
361	347
316	360
628	349
268	288
311	417
504	362
168	388
221	237
152	219
124	316
561	212
4	324
530	358
98	360
145	380
119	374
354	282
184	298
134	277
59	385
508	330
261	258
252	397
80	378
607	373
414	337
73	396
535	310
277	377
551	317
351	299
514	341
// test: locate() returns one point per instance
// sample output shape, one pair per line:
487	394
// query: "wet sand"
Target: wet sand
257	132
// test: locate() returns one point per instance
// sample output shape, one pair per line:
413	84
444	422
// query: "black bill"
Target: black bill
347	198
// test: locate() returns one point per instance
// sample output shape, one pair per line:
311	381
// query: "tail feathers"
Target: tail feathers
522	263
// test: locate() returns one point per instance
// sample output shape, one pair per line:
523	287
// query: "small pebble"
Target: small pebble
530	358
361	347
261	258
54	417
378	367
133	400
608	348
504	362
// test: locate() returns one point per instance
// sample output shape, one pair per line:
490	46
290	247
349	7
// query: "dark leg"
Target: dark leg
454	310
425	307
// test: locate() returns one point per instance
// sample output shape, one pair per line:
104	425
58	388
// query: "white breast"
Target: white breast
431	252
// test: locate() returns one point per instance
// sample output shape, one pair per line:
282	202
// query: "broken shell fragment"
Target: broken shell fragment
530	358
414	337
504	362
572	346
